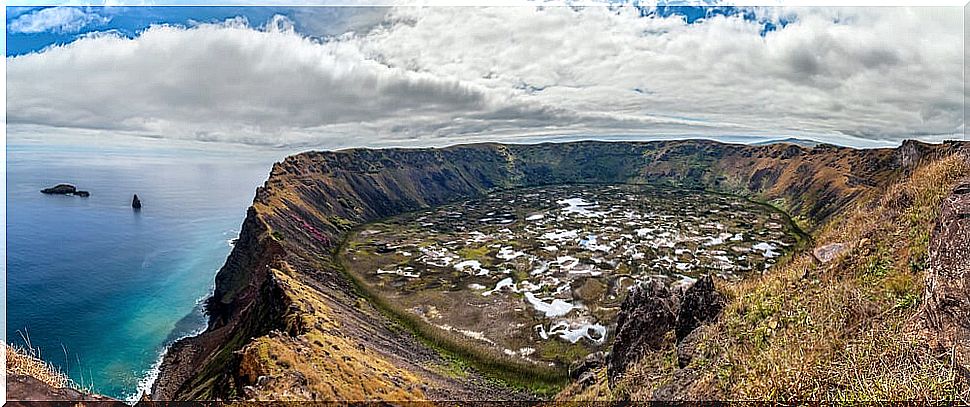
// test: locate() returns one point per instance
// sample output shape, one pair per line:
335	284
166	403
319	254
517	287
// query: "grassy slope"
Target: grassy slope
846	330
27	362
301	363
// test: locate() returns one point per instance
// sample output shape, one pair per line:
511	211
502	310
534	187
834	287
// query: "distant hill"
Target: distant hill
789	140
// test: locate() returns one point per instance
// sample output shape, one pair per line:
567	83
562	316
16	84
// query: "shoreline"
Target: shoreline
147	381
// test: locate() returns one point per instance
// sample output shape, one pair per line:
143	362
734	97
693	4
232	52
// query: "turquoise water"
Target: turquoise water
99	288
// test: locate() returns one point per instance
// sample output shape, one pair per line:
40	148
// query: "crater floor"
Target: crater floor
539	273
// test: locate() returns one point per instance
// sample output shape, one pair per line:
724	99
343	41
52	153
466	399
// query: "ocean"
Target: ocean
99	288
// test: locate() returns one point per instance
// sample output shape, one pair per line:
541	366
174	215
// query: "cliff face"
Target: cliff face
946	310
286	323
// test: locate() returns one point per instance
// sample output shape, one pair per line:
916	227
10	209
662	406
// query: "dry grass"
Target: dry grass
316	361
844	331
577	394
26	362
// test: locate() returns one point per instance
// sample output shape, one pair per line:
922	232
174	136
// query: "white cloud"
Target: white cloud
62	19
878	72
442	74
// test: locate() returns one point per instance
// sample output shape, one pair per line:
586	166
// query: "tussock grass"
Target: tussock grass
842	331
27	362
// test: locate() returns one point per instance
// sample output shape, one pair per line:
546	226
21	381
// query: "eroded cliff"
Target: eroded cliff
287	323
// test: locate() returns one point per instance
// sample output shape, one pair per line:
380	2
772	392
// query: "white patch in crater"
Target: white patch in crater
473	265
556	308
505	283
594	332
768	248
506	253
581	207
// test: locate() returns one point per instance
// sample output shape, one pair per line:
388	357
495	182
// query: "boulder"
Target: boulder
647	314
23	390
829	252
584	371
687	348
651	311
700	305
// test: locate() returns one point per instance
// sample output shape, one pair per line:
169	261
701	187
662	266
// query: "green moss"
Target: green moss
561	351
452	367
474	253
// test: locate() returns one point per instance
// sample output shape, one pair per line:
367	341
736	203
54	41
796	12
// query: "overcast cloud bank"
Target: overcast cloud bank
446	74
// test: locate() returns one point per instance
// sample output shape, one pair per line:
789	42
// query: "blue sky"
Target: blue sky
313	21
326	77
130	21
126	20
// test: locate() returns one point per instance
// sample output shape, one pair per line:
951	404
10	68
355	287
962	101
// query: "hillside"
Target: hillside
287	323
882	319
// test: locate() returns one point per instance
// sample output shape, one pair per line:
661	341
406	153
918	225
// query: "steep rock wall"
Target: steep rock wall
309	202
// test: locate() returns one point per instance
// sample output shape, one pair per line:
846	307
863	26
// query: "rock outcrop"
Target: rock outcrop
65	189
647	314
700	305
651	311
946	309
584	371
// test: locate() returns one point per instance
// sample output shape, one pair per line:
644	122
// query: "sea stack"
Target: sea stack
135	202
65	189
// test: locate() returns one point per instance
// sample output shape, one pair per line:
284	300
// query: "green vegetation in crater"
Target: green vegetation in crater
436	271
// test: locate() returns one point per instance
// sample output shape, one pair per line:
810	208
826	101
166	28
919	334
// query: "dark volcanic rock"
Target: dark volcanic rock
646	315
584	371
65	189
946	310
135	202
651	311
61	189
700	305
687	348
